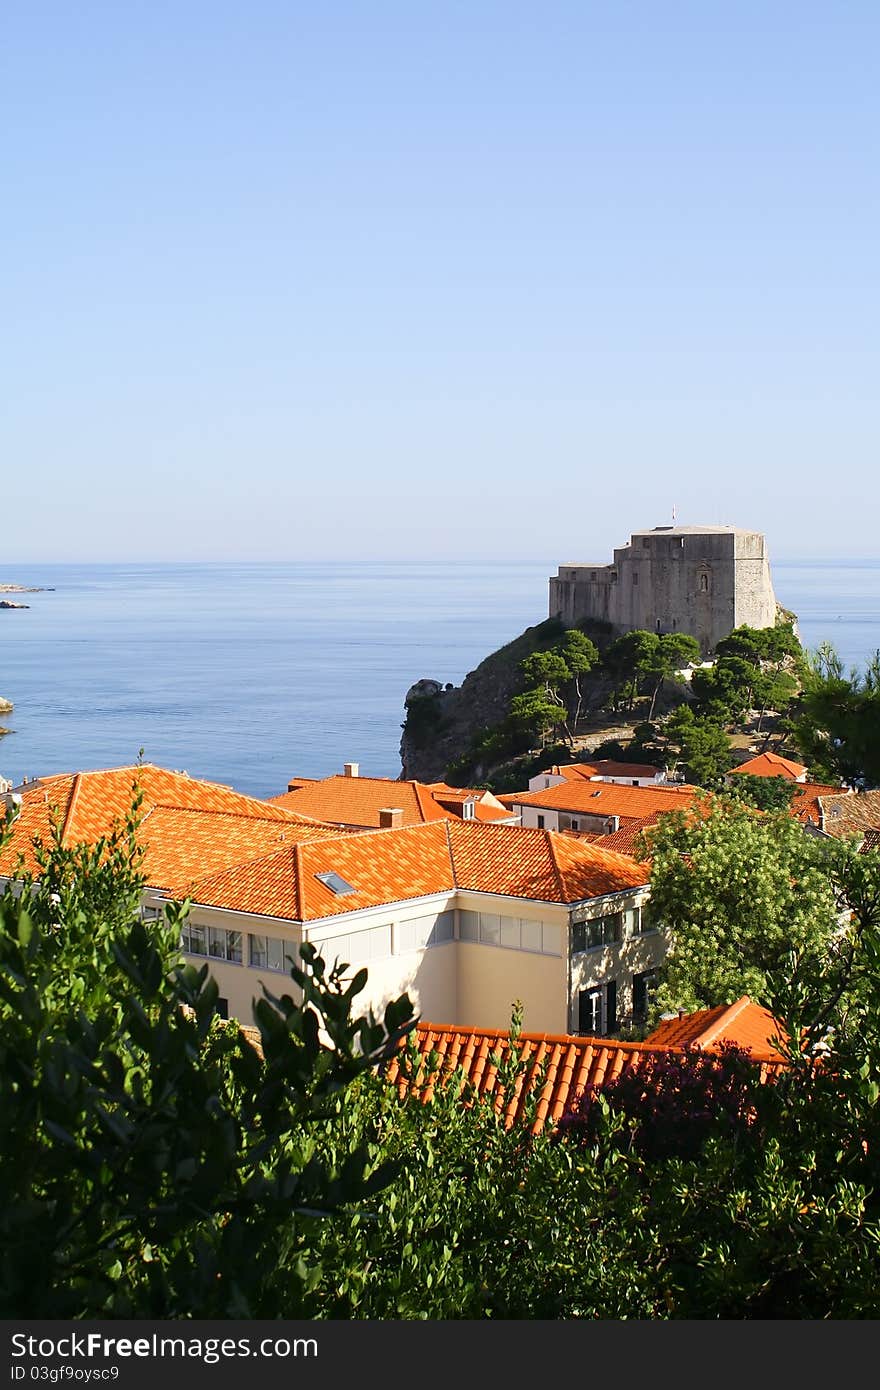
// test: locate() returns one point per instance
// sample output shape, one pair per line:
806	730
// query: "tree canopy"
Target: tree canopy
836	722
749	898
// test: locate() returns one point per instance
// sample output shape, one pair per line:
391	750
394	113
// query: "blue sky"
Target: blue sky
433	280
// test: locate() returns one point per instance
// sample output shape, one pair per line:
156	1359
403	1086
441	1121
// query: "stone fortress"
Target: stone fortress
705	580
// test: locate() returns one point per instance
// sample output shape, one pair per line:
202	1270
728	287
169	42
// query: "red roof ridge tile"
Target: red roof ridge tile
71	804
563	890
726	1017
298	874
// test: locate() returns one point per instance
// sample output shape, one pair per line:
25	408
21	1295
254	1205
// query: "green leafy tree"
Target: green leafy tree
674	651
153	1165
536	713
629	660
764	793
580	656
745	897
836	722
702	745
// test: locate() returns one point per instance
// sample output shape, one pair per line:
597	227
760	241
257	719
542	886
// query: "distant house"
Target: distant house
602	808
771	765
850	813
603	770
743	1023
806	802
374	803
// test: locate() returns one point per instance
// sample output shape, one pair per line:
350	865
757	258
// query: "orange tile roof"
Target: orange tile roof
623	841
388	866
871	842
357	801
850	813
771	765
187	825
805	801
560	1066
744	1023
228	850
606	799
603	767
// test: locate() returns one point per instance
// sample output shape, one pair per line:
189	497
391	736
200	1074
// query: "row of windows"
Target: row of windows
264	952
612	928
375	943
273	953
514	933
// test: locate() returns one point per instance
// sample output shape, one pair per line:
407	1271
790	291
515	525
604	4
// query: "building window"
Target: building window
646	920
635	576
541	821
193	939
597	1010
644	987
510	933
597	931
224	945
590	1011
221	1007
468	812
270	952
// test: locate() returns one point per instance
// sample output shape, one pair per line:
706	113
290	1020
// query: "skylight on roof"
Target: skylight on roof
335	882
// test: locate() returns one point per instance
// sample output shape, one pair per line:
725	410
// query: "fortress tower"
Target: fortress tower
705	580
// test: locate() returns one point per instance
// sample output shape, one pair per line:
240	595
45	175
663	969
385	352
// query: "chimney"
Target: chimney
390	817
351	770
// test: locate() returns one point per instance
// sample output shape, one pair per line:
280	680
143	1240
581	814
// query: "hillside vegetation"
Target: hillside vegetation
558	694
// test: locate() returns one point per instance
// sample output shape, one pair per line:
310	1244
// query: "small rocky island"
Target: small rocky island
7	603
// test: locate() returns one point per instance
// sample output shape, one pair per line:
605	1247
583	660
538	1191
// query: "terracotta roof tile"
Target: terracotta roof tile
188	825
560	1066
771	765
850	813
387	866
357	801
744	1023
805	801
606	799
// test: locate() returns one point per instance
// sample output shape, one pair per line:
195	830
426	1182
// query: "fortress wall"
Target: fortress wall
755	599
673	580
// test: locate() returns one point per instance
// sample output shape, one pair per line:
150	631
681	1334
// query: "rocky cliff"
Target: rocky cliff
444	721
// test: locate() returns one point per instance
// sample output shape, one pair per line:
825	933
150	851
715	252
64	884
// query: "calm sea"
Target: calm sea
251	674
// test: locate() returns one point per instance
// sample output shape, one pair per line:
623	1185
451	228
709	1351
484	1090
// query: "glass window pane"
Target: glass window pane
275	951
510	933
380	942
469	926
490	928
550	944
233	946
258	951
405	936
531	936
217	942
444	929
